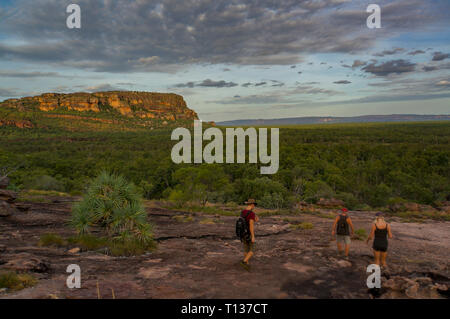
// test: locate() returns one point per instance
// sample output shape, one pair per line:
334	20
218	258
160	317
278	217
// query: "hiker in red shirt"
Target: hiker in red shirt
249	240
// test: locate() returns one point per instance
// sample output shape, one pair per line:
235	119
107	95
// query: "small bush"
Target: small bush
304	225
14	281
183	218
46	183
115	205
130	247
208	221
115	247
51	240
360	234
89	242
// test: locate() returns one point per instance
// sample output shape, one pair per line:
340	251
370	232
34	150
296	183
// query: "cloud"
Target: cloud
358	63
15	74
9	93
166	35
439	56
443	83
148	60
390	67
436	67
276	83
429	68
342	82
253	99
389	52
101	88
207	83
416	52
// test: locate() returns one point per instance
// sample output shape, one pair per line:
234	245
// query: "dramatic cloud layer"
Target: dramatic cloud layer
119	36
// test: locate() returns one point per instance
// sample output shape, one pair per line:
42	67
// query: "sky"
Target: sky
251	59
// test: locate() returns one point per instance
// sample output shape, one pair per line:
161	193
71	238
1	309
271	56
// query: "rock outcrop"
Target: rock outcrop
7	207
143	105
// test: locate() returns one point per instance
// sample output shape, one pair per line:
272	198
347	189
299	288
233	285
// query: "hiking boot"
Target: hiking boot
245	265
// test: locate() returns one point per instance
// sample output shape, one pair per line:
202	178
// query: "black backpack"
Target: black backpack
342	226
242	231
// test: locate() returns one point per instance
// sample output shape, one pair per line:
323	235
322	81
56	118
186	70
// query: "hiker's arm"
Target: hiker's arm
252	229
389	231
372	233
349	221
333	231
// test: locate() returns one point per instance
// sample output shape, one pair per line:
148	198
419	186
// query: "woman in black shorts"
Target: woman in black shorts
380	232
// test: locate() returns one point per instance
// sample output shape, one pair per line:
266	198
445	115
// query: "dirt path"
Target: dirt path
196	260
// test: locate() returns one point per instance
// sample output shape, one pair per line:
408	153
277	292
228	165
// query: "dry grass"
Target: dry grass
14	281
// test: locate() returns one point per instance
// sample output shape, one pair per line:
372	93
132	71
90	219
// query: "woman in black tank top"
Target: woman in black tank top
380	232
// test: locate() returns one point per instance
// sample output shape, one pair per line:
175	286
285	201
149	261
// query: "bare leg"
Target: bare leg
383	259
376	254
339	247
248	256
347	248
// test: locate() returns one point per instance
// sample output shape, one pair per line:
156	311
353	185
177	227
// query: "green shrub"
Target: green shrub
46	183
349	199
130	247
272	201
118	246
89	242
116	206
51	240
14	281
303	225
316	190
360	234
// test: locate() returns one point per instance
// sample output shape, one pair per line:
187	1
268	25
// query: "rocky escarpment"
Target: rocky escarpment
142	105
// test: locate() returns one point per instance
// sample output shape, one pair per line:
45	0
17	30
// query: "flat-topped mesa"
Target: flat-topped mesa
145	105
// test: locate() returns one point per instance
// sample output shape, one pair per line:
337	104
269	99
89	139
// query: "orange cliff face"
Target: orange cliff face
145	105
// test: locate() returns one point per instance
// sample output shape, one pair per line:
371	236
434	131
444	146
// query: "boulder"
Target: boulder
74	250
6	209
416	288
7	195
344	263
25	262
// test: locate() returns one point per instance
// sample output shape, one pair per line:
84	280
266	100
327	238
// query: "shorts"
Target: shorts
380	245
343	239
248	246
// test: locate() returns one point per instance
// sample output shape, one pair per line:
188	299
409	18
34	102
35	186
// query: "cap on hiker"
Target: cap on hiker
379	214
251	201
344	210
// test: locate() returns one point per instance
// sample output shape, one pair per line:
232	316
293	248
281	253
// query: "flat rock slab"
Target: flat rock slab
198	260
